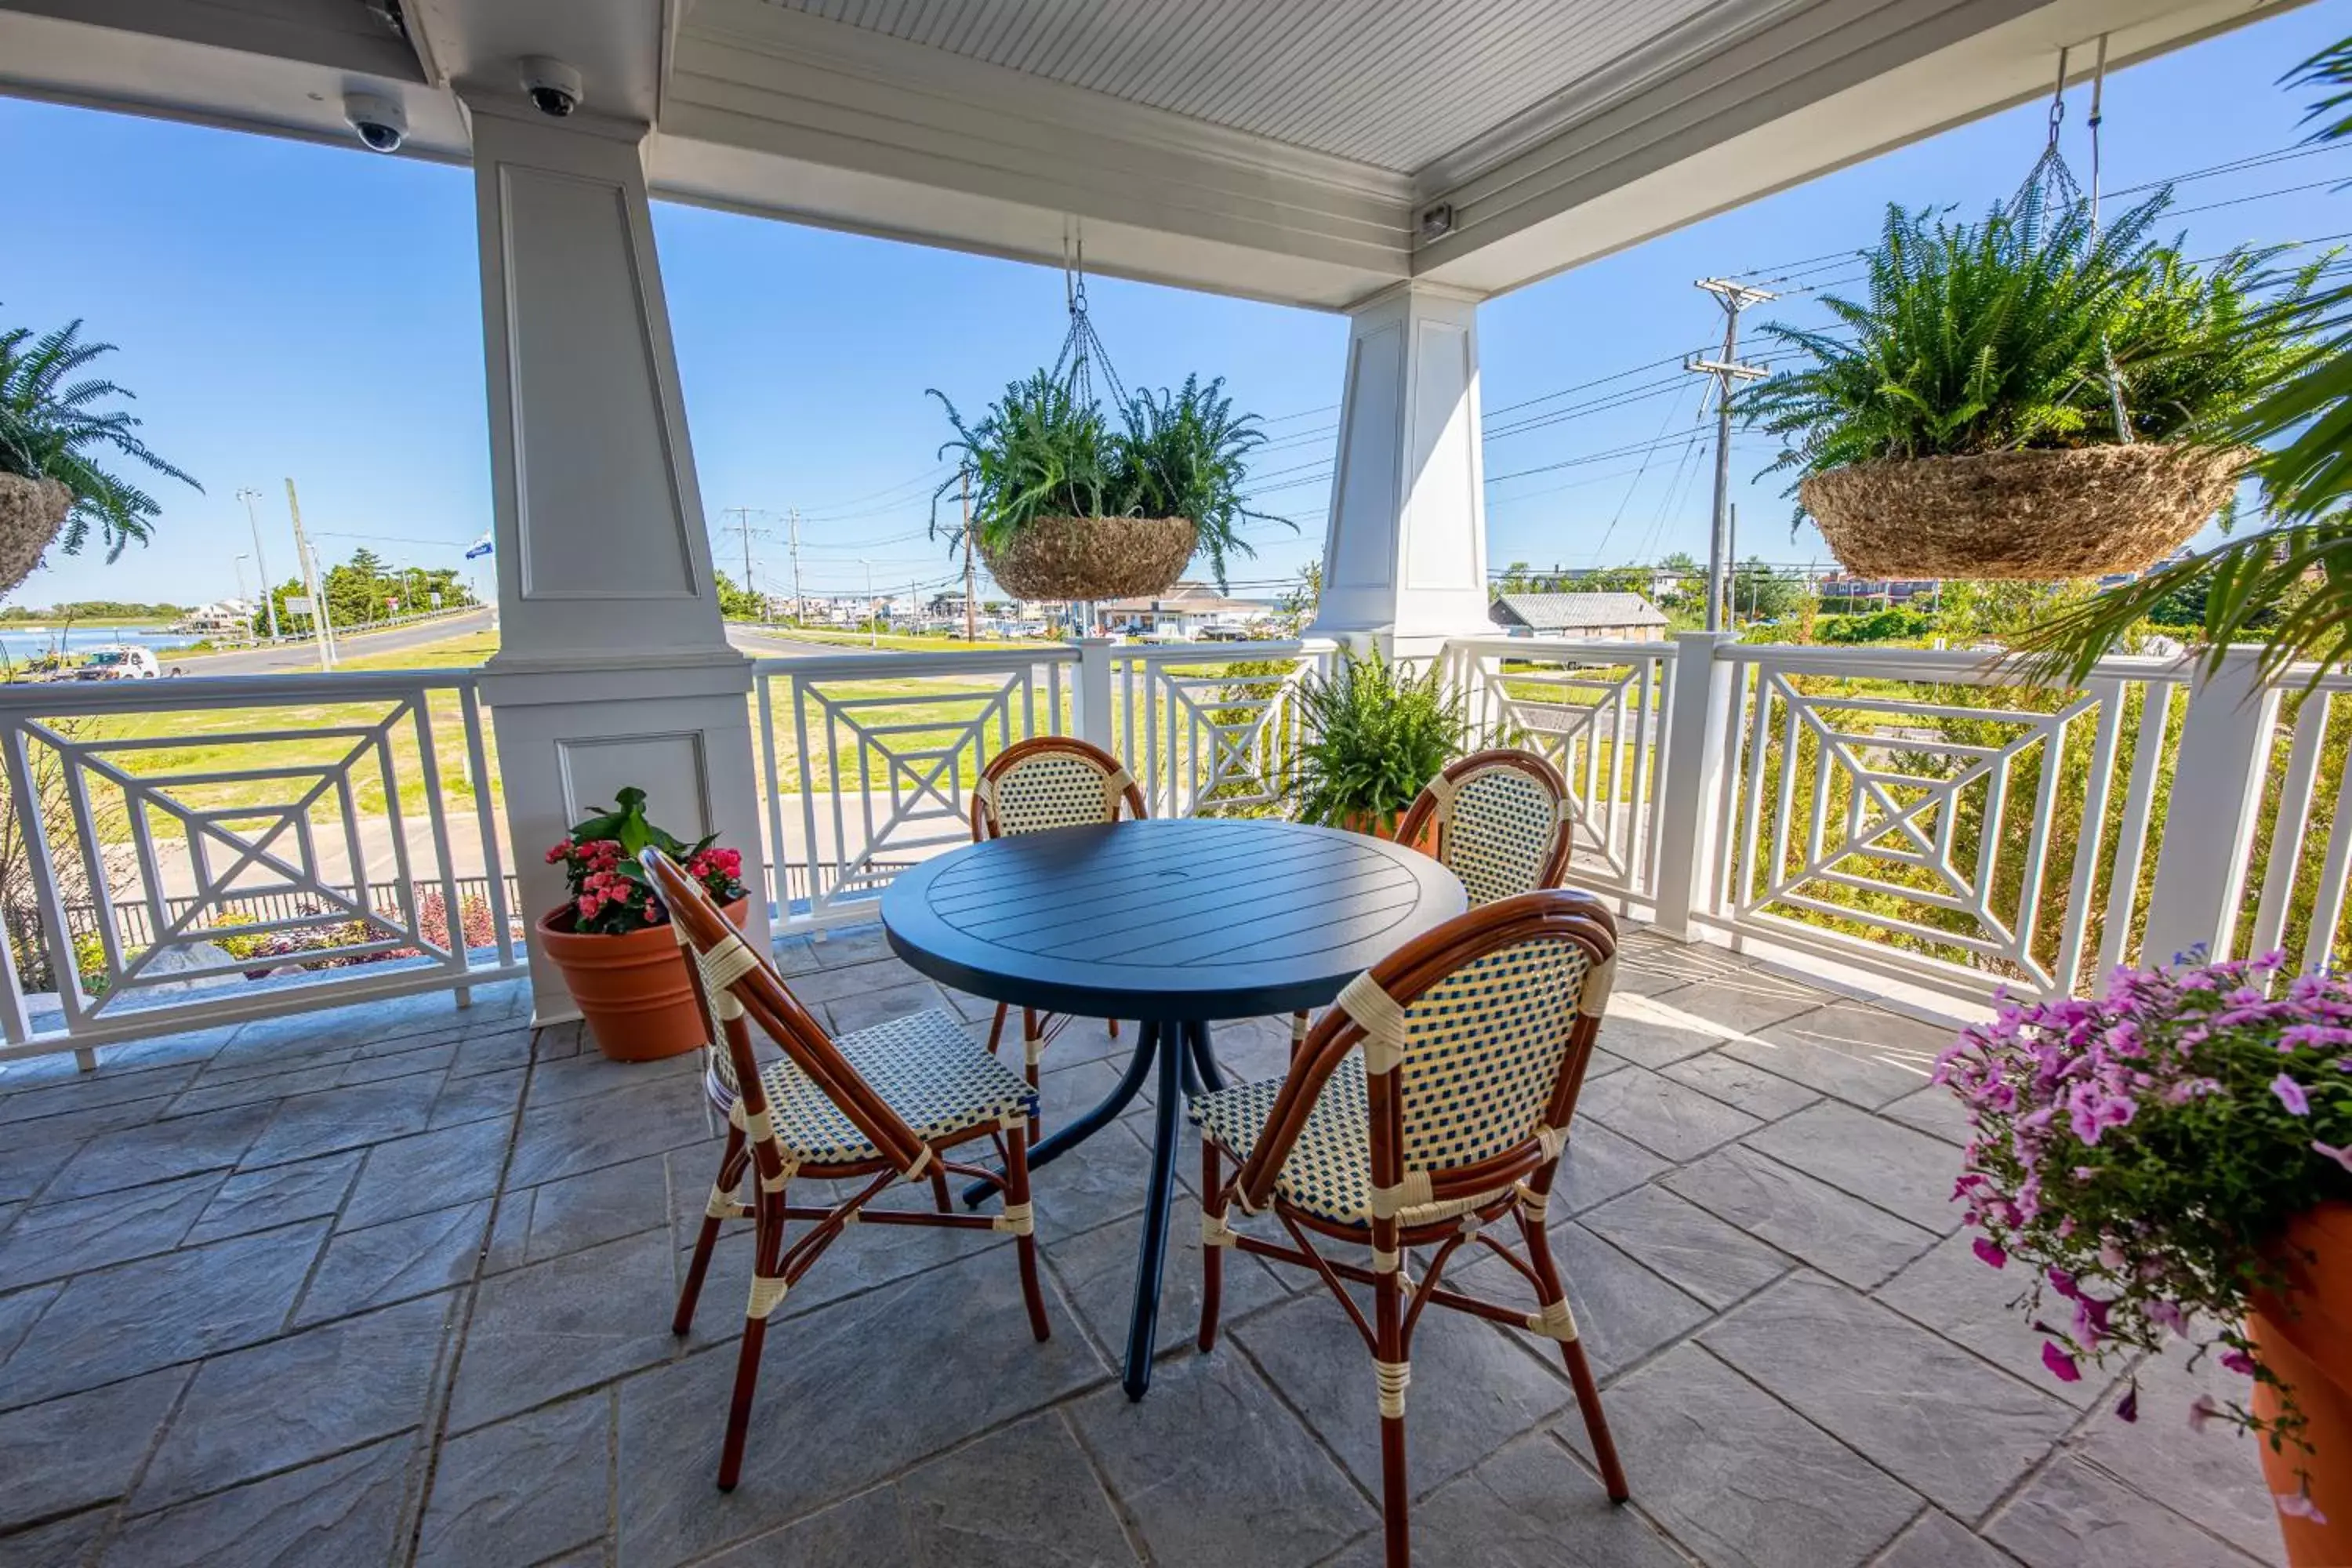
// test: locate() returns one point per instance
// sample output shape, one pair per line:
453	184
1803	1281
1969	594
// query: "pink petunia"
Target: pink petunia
2239	1362
1988	1249
2298	1505
2202	1411
2291	1095
2061	1365
2341	1156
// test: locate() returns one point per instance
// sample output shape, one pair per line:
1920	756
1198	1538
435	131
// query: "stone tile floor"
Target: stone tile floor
394	1285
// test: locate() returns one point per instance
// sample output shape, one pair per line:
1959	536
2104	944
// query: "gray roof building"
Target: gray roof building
1588	614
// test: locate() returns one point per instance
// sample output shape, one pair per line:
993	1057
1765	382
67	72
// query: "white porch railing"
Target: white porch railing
869	761
1596	711
191	802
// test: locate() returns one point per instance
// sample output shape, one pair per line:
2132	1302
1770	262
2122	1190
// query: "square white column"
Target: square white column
1405	558
614	666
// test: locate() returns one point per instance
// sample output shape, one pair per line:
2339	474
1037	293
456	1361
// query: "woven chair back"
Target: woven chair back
734	981
1051	781
1499	819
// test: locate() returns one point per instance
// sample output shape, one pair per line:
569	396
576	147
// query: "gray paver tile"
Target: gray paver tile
1529	1506
256	1200
521	1489
395	1260
1855	1052
566	1324
1838	1234
1666	1117
136	1156
82	1448
1738	1476
298	1399
1937	1540
1012	1499
2073	1516
1952	1291
1892	1167
1279	1502
50	1239
1743	1084
1925	1411
1715	1261
344	1509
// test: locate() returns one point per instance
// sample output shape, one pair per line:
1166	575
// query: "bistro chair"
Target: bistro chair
1046	782
1430	1105
1498	819
871	1109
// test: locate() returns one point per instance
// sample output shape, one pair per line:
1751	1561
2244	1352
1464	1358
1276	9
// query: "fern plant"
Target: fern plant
53	425
1374	734
2004	333
1042	451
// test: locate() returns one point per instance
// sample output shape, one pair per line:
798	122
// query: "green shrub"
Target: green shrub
1374	735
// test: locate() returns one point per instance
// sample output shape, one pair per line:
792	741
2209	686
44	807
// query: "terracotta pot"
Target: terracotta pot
632	989
1364	822
2306	1339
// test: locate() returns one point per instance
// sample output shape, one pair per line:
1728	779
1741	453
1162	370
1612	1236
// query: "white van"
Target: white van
118	661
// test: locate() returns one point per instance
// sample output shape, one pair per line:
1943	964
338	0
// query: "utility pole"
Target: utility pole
795	526
248	495
971	615
332	654
873	622
1727	370
742	516
306	561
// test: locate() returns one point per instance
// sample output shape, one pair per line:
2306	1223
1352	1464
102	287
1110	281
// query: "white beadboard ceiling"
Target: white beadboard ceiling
1394	83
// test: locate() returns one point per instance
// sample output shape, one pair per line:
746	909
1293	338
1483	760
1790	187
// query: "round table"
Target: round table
1176	923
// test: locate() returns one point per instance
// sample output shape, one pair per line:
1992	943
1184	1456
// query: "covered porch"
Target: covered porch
376	1262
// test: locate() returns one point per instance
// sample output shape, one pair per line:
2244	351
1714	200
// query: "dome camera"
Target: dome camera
554	87
381	123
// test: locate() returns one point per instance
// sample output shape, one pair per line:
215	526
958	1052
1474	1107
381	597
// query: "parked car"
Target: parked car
118	661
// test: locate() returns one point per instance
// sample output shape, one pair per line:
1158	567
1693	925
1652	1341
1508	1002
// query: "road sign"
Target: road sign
298	604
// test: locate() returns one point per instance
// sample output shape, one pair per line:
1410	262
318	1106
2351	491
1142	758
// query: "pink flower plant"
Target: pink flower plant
606	888
2139	1155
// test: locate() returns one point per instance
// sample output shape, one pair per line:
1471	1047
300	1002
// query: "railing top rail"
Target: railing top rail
1615	648
1955	666
894	666
59	698
1215	652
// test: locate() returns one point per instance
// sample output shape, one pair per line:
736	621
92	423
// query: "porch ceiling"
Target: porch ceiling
1393	86
1290	153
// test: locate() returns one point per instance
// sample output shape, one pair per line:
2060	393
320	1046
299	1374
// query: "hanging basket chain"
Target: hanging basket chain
1083	355
2051	185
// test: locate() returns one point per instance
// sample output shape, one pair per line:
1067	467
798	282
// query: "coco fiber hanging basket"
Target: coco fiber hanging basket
31	513
1094	557
2038	515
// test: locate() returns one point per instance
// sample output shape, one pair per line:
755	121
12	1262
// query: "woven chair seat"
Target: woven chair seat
936	1078
1329	1172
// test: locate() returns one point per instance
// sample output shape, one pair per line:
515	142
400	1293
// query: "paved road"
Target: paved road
298	659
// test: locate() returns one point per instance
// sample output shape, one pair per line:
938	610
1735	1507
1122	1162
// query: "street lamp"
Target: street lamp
260	563
237	567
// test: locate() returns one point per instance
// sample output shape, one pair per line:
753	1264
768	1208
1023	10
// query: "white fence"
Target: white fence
192	802
869	761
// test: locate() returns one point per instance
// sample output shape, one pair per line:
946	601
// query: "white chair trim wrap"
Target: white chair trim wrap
1555	1321
1395	1377
1380	1017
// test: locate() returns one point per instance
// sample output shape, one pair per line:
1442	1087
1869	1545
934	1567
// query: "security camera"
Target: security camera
554	87
381	123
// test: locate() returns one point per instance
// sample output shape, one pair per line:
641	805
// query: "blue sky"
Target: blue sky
291	310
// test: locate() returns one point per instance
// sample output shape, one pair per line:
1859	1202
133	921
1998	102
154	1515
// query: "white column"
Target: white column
2217	798
614	666
1404	559
1691	757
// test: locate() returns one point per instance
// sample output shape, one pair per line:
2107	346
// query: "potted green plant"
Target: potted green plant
1372	734
52	427
2029	395
2170	1164
1065	504
613	939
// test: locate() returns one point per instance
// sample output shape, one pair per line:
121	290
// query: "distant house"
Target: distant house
1184	613
1615	616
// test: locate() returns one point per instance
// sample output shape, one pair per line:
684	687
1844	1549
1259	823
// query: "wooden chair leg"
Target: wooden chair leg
940	1198
768	1253
1114	1028
1213	1257
732	1162
996	1028
1016	1201
1392	1370
1032	1047
1580	1370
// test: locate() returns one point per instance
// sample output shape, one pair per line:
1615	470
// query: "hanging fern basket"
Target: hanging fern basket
31	513
2039	515
1094	557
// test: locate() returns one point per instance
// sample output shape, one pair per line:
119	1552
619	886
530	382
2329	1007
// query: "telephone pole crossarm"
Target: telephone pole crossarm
1727	371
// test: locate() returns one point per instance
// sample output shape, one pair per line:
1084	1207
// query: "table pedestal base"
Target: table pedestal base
1186	1062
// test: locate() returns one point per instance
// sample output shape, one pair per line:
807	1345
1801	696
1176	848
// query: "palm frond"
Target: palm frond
55	427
